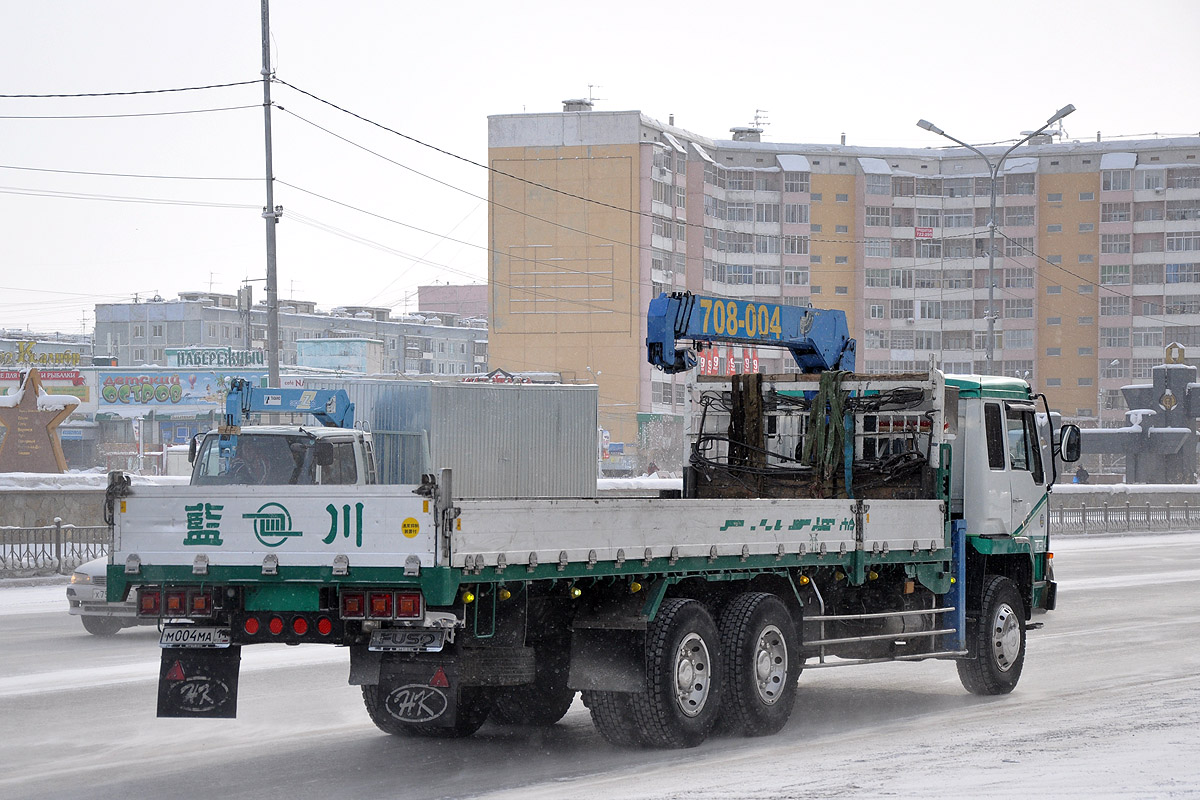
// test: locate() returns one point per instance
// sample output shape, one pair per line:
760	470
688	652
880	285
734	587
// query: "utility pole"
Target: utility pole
271	212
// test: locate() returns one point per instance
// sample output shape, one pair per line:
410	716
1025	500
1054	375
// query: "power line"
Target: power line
119	199
129	93
126	174
122	116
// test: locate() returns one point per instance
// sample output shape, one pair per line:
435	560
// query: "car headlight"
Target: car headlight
80	577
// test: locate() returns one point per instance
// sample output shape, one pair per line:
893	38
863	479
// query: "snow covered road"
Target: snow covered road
1109	705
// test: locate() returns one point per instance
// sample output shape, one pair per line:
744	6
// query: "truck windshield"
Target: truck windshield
259	460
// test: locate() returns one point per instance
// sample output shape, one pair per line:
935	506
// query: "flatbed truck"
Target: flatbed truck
828	518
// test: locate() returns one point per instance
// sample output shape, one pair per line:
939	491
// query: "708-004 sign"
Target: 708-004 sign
740	318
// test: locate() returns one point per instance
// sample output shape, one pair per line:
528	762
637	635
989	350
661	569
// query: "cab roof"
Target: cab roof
996	386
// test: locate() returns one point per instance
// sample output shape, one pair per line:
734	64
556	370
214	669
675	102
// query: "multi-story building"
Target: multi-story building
1096	263
433	343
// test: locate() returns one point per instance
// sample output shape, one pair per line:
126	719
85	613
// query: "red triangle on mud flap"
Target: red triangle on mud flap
439	679
175	673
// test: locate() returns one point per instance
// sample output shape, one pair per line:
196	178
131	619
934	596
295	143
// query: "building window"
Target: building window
1114	274
1114	337
766	212
740	179
1086	227
1054	229
795	213
1018	278
1115	243
1053	290
1084	351
766	244
795	245
766	277
1054	320
1018	308
841	198
841	260
1114	180
1085	320
795	277
879	216
139	331
1114	306
1053	351
1054	381
1179	242
841	290
878	248
795	181
1018	215
1054	197
841	229
879	184
1086	196
876	311
1115	212
1086	258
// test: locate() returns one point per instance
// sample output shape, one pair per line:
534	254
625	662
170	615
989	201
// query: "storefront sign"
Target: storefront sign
26	354
168	388
214	357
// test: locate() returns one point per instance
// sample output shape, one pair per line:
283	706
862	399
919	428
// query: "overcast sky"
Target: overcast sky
365	228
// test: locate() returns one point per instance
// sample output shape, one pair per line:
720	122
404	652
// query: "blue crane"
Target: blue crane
819	339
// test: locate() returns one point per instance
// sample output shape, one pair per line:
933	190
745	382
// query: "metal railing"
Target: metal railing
1123	517
49	549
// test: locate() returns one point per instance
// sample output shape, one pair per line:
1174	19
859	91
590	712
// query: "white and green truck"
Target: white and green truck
827	519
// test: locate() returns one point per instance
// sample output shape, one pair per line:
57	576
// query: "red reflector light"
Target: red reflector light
251	625
324	626
275	626
300	626
379	605
176	602
354	605
149	602
408	605
200	604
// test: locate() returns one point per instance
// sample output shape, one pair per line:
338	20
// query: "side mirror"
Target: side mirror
323	452
1068	443
192	449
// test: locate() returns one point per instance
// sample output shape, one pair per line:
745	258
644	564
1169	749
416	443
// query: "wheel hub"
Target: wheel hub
770	664
693	678
1006	637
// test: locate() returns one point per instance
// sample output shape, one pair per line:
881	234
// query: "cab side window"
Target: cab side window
1023	451
994	430
343	469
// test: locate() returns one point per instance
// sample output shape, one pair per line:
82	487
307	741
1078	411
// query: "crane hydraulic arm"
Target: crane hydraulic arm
818	339
331	407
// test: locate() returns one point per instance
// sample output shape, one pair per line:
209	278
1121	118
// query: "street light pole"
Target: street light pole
994	170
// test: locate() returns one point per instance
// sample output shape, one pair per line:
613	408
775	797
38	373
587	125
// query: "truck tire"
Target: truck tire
543	702
101	626
612	714
473	708
760	652
996	640
682	698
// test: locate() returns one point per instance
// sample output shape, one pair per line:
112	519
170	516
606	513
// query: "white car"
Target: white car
86	594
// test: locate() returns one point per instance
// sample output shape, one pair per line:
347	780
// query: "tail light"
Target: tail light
275	626
379	605
175	603
200	603
149	602
300	626
324	626
251	625
408	605
354	605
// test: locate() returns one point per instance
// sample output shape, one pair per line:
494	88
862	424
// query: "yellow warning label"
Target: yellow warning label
410	527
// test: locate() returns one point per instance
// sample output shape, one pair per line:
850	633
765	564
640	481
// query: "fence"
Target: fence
1123	518
51	548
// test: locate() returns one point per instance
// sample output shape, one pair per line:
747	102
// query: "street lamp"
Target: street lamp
994	169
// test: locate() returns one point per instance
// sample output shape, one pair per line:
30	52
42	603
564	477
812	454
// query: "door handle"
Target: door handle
1017	500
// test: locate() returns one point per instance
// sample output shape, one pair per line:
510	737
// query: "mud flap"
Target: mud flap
196	682
423	693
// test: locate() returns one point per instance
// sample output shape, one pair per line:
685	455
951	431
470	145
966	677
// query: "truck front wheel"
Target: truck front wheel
762	664
996	639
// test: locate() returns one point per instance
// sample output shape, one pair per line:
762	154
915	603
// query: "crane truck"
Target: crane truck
335	452
827	519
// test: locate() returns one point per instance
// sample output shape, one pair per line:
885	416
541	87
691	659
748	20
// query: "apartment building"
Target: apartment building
432	343
1096	264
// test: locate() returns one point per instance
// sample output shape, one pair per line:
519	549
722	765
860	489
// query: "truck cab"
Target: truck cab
266	455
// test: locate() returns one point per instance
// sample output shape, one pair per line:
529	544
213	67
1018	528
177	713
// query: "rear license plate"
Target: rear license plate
99	594
408	640
193	636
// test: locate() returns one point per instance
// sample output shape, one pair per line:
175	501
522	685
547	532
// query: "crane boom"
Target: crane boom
819	339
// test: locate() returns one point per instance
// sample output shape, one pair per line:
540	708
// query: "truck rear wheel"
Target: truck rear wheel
762	665
612	714
101	626
683	676
996	639
472	711
546	700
